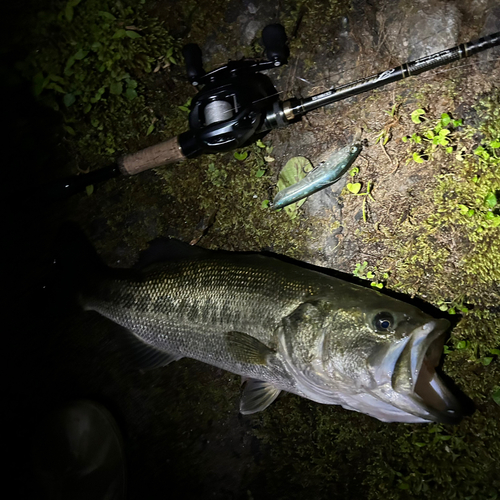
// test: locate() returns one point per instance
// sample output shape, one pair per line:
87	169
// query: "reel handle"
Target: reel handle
194	63
275	41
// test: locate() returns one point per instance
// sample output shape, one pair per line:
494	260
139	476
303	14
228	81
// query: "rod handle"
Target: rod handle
164	153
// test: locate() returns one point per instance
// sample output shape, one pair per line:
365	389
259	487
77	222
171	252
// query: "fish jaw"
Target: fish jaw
400	383
407	380
415	377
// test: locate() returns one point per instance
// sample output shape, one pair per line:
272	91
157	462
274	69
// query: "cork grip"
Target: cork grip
154	156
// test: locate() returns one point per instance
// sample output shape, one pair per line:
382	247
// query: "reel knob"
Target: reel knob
194	63
275	41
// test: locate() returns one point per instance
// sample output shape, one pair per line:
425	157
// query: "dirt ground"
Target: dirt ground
181	424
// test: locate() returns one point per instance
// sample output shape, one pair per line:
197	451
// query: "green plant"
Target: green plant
217	176
90	59
443	133
355	189
375	275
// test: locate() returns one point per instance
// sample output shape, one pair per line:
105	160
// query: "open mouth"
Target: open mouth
416	374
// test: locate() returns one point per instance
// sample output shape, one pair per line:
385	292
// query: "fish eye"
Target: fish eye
383	321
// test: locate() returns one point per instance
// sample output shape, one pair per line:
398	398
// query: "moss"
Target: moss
235	192
318	451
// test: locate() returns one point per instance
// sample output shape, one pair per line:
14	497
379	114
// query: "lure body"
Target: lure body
325	174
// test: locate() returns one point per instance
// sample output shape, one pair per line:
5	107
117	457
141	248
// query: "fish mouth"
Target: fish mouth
415	374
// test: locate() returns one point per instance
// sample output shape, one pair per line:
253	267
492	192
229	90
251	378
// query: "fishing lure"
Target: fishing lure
325	174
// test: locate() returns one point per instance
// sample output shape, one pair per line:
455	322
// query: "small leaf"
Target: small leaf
120	33
107	15
260	173
463	209
354	171
463	344
495	144
81	54
265	204
491	200
451	310
150	129
496	396
354	188
369	275
130	93
269	159
443	307
241	156
495	352
133	34
116	88
486	361
445	119
68	12
415	116
38	83
69	63
89	189
69	129
131	84
69	99
262	146
418	158
404	138
377	285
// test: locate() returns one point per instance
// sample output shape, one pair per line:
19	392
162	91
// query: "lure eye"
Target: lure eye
383	322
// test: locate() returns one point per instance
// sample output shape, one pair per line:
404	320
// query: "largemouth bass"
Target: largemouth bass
282	327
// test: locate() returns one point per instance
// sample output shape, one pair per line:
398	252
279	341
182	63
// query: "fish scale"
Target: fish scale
187	308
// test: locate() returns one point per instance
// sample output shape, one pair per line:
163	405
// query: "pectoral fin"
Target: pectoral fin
247	349
257	396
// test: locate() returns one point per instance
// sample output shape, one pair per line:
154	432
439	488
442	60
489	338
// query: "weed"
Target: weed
89	65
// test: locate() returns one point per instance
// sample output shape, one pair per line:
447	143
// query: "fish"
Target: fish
281	326
326	173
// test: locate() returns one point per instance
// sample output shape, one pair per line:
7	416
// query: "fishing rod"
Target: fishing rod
238	103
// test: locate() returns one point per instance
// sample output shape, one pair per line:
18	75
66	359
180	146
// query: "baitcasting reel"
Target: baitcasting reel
232	105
